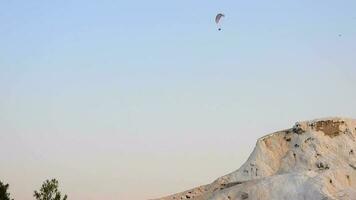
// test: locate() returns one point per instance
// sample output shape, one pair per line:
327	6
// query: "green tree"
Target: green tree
49	191
4	195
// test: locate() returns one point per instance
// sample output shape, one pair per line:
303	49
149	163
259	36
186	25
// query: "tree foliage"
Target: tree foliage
4	195
49	191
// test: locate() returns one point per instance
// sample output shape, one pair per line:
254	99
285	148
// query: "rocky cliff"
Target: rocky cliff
312	160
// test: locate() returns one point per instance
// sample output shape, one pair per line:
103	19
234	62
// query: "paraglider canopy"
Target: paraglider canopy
218	20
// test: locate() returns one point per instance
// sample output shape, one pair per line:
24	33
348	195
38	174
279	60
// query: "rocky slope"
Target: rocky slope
312	160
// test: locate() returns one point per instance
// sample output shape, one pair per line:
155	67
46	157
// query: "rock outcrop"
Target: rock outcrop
312	160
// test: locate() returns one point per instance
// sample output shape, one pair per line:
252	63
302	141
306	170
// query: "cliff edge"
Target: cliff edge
312	160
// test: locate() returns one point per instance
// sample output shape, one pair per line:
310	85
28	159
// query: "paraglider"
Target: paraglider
218	20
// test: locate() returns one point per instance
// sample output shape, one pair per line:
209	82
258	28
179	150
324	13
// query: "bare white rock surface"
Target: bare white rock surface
312	160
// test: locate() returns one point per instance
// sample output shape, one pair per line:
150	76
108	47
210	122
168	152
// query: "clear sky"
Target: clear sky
134	99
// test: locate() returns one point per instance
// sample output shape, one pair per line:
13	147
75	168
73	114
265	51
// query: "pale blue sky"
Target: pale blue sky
138	99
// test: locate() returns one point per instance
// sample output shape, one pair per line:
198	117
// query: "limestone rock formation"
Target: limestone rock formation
312	160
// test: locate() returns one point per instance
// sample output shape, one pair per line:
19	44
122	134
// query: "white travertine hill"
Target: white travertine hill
313	160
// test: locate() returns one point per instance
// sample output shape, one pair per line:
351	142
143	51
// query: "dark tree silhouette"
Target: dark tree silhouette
49	191
4	195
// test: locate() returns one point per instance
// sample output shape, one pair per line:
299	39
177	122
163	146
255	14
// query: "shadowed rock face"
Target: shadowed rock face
312	160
